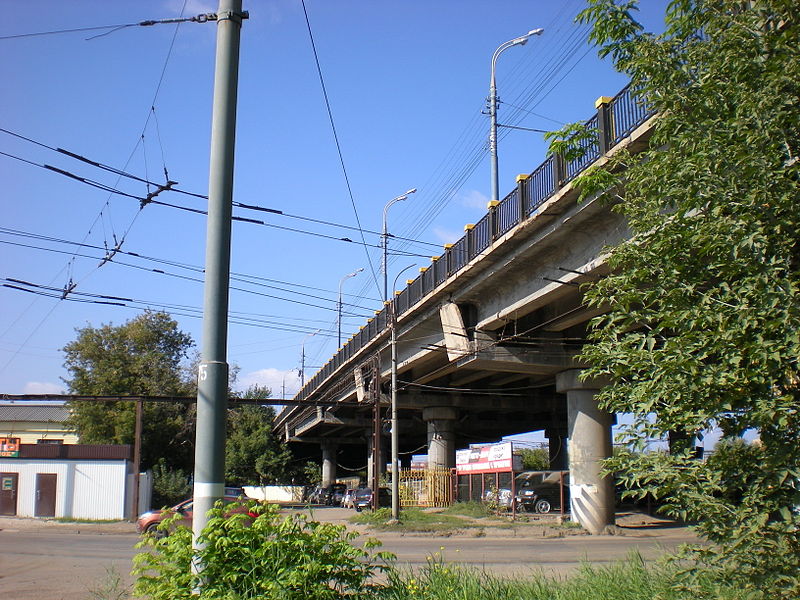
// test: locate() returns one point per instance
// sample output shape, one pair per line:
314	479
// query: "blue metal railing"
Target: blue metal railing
622	115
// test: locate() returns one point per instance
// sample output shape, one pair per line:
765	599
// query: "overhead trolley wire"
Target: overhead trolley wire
173	188
203	18
235	277
338	145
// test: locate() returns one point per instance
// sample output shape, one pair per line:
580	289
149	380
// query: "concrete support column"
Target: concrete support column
329	463
557	448
589	427
382	462
441	436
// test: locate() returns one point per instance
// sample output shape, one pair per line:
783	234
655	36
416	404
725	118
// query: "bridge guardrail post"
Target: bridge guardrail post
523	197
468	229
491	207
605	123
559	171
448	257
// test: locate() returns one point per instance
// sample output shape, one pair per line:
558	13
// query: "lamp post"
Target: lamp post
386	240
395	432
520	41
303	357
339	320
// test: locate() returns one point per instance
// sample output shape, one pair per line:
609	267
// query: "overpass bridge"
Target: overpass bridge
487	335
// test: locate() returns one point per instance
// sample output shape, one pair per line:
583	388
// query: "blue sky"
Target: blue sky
406	83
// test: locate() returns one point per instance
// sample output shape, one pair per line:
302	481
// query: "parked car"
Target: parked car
349	496
149	521
336	494
331	495
536	491
363	498
318	495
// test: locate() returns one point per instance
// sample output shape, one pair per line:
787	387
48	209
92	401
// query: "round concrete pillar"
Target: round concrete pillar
441	436
328	463
589	431
382	462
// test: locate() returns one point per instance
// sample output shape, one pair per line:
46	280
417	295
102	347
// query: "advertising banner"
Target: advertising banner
9	447
492	458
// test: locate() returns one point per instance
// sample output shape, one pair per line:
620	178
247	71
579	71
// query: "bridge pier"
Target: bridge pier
329	462
441	422
591	495
382	462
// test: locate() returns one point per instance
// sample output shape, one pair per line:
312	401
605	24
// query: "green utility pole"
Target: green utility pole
212	376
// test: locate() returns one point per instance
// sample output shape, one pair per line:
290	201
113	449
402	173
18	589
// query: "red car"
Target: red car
149	521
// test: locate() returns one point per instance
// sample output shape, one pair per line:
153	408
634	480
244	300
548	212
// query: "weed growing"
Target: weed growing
627	580
412	520
291	558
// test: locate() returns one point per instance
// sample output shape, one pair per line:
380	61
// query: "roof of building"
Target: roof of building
43	413
75	451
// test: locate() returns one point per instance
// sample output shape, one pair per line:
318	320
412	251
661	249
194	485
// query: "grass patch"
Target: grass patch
412	520
88	521
474	510
631	579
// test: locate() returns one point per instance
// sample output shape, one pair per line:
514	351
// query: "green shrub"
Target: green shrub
169	486
268	557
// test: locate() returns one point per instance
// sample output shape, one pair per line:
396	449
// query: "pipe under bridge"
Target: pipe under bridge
488	334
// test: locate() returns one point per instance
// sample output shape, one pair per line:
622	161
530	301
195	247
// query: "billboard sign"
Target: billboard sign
492	458
9	447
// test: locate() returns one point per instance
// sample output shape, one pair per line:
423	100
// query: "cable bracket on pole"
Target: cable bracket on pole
230	15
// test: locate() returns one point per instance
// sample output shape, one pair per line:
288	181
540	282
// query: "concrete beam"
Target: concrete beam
322	440
456	338
546	294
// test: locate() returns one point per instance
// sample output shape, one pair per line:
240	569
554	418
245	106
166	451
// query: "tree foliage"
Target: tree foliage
534	459
141	357
704	324
254	455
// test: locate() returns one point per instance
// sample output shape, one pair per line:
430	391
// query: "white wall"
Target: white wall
85	489
275	493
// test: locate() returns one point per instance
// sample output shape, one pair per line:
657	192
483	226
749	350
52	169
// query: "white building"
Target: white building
70	481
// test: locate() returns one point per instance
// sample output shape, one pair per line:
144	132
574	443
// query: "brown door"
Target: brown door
45	505
8	494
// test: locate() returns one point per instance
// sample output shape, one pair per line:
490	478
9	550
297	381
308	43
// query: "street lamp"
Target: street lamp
303	357
395	432
520	41
386	240
339	320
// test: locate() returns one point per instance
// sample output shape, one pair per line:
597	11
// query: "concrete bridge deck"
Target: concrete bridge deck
487	335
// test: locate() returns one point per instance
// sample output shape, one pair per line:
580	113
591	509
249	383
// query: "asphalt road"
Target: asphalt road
57	561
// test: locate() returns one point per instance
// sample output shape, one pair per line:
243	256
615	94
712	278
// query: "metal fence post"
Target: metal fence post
605	125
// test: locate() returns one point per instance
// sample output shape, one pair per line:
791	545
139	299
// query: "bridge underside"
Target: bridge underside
487	352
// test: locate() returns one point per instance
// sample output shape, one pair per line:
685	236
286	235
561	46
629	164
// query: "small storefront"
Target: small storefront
66	481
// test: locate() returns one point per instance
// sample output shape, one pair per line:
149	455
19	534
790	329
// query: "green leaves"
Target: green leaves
141	357
269	556
704	312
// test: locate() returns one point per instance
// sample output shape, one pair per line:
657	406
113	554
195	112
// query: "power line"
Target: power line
234	288
170	186
112	28
338	145
241	318
244	278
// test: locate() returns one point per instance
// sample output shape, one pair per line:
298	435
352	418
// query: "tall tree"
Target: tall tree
254	455
141	357
704	322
